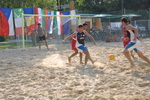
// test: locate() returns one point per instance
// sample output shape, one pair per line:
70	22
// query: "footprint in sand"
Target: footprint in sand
54	60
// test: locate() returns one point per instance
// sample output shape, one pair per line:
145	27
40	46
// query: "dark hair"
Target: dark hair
39	23
129	21
80	26
124	19
85	24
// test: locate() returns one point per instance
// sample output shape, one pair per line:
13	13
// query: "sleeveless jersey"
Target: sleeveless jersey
80	37
132	36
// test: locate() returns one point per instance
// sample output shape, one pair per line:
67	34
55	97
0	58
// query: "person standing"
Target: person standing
41	35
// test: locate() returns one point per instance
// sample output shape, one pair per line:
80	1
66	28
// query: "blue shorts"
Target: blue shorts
133	46
82	47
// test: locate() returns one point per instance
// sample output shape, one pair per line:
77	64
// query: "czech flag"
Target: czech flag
6	22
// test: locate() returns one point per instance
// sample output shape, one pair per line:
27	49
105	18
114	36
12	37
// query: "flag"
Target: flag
18	20
58	30
6	19
38	11
73	19
43	19
4	26
29	20
51	20
65	21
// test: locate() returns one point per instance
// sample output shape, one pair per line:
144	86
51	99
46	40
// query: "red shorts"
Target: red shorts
73	43
125	43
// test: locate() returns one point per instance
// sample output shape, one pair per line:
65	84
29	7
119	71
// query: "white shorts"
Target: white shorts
134	46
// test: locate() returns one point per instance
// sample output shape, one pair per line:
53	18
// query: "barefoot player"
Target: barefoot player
126	38
73	44
134	43
42	35
80	35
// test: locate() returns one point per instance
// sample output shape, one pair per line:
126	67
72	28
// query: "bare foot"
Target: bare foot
94	61
69	60
131	67
81	63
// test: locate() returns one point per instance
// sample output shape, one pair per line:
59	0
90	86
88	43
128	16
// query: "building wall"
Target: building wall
96	20
85	20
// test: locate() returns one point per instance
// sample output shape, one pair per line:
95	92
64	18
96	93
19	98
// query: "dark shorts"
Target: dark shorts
41	38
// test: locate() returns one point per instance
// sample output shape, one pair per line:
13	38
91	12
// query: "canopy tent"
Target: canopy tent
131	15
102	16
109	16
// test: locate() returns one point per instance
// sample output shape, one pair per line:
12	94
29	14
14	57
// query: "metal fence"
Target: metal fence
112	31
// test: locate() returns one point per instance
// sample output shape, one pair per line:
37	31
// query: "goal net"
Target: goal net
56	28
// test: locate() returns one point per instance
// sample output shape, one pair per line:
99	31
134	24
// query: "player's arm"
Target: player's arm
44	32
34	30
69	37
135	31
87	34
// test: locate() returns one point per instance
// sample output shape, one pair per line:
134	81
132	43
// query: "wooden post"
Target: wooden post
72	7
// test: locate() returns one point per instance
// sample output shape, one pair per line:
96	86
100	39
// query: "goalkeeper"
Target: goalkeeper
41	35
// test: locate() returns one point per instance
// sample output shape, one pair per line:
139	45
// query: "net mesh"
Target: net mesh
56	28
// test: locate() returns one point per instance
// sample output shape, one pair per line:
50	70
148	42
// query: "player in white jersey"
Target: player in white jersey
134	43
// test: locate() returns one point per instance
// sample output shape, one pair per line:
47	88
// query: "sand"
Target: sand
33	74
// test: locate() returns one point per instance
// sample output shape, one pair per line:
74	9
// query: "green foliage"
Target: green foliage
44	4
85	6
2	38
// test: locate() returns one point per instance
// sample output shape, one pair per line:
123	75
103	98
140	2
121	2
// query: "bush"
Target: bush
2	38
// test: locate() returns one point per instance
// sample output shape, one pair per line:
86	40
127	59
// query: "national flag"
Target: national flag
30	21
51	20
38	11
47	20
18	20
6	22
65	21
43	19
58	30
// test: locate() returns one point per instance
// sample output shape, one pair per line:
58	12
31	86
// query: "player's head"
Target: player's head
80	28
124	21
85	25
39	24
129	22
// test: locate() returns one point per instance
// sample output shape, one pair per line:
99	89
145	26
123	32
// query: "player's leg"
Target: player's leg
88	57
72	55
81	58
140	54
46	42
132	54
127	55
40	42
87	54
129	48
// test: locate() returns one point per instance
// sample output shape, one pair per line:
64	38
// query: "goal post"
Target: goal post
63	19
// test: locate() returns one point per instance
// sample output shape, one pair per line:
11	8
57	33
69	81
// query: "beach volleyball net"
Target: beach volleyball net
56	28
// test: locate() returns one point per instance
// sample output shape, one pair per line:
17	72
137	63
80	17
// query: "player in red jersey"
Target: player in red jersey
126	39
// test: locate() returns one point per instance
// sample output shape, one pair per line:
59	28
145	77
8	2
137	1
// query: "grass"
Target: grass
13	45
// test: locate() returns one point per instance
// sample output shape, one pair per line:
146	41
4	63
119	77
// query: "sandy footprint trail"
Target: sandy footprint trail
54	60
